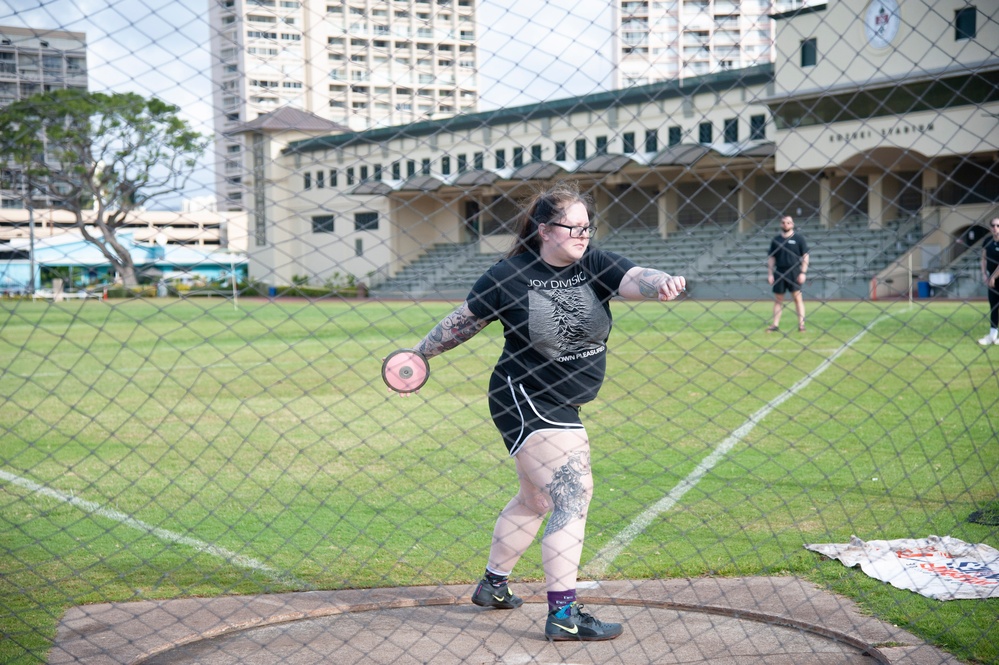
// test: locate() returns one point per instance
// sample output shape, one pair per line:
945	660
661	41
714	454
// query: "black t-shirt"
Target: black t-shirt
991	249
556	321
788	252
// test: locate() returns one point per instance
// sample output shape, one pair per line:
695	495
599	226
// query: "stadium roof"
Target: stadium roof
724	80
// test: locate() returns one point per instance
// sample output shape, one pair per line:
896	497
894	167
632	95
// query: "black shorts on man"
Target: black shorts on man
786	282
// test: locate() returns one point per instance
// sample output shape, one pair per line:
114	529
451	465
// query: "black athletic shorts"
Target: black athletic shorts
786	281
517	414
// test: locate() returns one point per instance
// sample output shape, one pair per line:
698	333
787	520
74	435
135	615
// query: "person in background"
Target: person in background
990	273
552	295
787	266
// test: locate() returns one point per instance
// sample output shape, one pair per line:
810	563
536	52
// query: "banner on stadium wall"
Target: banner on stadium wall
940	568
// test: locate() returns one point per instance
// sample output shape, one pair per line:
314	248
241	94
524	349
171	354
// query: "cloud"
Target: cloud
532	52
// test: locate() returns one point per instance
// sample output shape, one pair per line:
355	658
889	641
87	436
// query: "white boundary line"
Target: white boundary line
597	567
195	544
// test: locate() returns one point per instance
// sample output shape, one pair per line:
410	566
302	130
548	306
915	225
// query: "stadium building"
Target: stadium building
877	127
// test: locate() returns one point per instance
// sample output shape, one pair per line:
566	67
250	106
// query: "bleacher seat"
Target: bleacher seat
717	260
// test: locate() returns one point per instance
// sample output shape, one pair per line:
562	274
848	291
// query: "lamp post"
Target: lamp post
232	275
26	197
232	279
31	244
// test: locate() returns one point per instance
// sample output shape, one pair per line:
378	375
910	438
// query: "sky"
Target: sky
529	51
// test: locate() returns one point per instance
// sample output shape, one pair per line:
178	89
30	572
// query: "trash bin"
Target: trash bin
923	289
272	291
940	283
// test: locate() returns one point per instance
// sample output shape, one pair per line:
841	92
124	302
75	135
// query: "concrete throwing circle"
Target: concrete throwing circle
468	634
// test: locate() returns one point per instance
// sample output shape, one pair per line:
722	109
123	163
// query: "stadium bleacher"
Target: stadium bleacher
718	261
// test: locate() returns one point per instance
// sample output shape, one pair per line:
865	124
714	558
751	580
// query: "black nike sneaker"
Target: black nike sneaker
572	623
486	595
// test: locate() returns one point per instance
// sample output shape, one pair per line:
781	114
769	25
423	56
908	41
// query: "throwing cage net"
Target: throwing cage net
219	216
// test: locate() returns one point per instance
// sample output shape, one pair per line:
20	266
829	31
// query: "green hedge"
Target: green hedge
131	292
246	291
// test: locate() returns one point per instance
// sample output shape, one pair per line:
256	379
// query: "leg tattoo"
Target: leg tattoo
569	496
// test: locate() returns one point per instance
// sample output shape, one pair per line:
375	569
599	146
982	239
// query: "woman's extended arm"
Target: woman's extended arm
457	327
646	283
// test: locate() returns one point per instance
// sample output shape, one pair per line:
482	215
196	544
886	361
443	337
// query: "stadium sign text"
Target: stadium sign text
885	132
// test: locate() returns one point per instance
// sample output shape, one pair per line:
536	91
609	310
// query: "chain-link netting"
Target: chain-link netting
220	216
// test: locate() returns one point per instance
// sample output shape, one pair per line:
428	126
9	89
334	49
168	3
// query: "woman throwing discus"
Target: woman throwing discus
552	295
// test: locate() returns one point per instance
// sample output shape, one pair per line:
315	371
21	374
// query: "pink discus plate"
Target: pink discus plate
405	371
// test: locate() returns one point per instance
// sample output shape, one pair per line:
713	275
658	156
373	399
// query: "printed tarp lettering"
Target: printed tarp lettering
941	568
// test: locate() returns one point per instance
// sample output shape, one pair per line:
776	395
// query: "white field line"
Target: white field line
195	544
597	567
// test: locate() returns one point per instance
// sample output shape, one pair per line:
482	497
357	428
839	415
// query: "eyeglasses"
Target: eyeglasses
577	231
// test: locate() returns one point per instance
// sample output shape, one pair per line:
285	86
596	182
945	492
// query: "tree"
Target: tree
105	155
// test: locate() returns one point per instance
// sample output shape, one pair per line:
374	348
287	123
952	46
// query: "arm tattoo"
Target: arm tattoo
455	328
649	281
569	496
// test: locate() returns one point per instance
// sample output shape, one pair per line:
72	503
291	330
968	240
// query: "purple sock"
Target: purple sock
559	599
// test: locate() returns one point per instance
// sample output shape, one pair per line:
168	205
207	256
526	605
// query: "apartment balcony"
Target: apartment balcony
632	39
634	9
698	22
702	6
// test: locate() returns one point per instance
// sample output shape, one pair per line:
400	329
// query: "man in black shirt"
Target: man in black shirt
787	265
990	274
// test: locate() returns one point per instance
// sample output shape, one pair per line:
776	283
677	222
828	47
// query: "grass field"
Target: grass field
266	431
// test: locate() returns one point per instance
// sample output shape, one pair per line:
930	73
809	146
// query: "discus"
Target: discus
405	371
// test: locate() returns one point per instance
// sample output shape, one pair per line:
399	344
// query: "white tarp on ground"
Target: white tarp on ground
941	568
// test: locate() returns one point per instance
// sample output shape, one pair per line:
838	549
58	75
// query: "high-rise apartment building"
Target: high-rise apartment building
358	63
660	40
34	61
